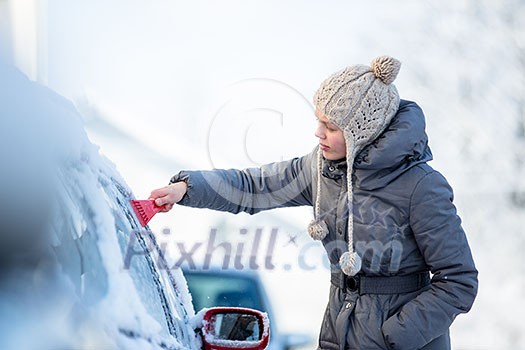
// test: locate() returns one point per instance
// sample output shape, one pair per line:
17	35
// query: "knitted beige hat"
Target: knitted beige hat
361	101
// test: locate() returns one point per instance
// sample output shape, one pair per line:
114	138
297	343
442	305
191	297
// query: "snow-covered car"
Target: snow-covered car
77	271
215	286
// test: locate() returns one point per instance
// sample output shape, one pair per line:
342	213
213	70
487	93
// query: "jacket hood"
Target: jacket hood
403	145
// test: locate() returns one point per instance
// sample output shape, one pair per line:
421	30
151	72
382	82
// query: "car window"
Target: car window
151	276
77	249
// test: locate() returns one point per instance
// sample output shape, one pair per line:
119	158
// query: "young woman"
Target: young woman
371	162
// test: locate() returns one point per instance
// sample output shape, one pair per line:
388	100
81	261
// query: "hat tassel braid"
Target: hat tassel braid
350	261
317	228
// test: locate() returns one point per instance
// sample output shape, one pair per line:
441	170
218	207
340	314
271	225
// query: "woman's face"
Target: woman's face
331	138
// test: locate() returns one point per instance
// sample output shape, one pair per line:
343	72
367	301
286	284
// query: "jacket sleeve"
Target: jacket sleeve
275	185
442	241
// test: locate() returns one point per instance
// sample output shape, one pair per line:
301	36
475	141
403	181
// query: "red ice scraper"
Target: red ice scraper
145	209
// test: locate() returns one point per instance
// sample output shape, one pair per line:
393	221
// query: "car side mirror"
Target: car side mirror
226	328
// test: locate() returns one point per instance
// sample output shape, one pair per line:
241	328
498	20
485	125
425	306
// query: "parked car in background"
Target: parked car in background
76	269
238	288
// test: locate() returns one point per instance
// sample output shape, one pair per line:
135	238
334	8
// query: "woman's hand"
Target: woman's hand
167	196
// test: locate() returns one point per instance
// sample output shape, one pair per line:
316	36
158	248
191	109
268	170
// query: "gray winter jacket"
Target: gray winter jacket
404	223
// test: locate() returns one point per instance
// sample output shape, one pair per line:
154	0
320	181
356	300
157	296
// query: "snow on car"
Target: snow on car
78	271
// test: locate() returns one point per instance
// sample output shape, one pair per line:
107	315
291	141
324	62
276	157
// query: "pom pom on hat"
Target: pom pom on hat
350	263
317	230
385	68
